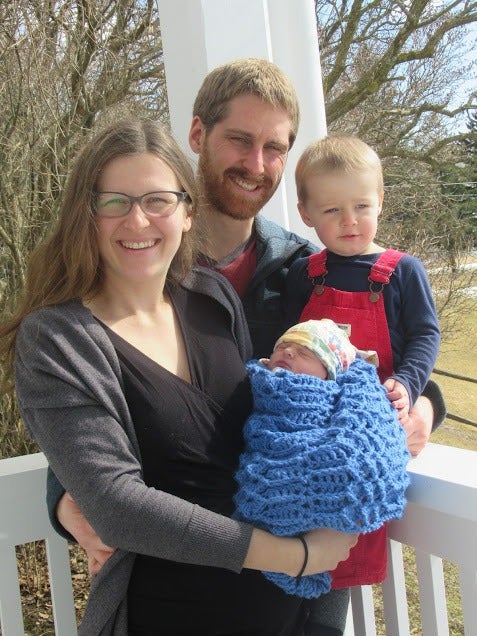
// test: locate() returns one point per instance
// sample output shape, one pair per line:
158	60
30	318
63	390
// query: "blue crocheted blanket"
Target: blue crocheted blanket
320	453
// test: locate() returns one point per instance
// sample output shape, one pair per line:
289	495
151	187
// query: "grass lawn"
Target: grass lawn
459	357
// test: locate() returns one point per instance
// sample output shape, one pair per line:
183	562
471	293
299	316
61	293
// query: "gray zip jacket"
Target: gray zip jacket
70	395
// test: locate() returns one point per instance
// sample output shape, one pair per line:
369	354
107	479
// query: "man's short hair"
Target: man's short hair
246	76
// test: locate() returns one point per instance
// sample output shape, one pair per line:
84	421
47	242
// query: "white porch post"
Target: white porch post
198	35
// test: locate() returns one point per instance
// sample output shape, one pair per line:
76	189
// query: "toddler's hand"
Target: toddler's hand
399	397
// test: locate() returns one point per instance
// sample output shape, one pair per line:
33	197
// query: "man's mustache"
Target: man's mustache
261	180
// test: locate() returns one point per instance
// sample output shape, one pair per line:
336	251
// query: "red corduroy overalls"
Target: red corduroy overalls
363	316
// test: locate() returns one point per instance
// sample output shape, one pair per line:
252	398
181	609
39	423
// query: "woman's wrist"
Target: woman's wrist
302	540
276	554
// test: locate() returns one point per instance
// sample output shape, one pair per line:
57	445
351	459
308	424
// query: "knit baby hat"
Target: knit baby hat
329	342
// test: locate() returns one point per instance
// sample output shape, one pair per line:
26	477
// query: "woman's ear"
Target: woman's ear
187	221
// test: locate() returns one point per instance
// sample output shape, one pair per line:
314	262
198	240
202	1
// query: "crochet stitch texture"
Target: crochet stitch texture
320	453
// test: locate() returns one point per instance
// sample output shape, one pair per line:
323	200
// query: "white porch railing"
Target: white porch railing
440	524
23	518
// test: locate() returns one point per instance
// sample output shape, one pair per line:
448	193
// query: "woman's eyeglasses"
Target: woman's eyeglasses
160	203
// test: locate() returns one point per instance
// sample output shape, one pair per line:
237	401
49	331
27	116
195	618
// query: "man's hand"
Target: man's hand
73	520
418	425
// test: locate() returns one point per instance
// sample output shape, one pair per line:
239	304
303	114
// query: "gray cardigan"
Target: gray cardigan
70	395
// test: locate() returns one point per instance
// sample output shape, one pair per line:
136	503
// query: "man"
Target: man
245	120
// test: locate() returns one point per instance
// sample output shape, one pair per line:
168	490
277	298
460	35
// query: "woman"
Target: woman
129	374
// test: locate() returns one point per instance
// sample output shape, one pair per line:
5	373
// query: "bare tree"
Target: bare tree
397	64
66	66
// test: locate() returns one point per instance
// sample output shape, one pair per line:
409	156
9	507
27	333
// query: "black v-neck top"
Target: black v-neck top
190	438
190	435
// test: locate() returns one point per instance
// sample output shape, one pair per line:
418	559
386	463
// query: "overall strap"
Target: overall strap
384	267
317	264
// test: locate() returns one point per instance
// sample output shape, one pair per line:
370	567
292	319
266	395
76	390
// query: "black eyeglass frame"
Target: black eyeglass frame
181	197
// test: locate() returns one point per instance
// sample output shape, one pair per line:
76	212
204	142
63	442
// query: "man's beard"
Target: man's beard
218	192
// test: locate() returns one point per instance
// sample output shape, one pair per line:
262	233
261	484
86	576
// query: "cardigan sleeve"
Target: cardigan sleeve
54	492
70	397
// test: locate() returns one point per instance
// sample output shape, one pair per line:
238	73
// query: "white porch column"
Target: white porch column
198	35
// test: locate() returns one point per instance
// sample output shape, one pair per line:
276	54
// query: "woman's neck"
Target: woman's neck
138	303
147	321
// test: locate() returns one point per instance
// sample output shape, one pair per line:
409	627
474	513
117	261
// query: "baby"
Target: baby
316	347
323	446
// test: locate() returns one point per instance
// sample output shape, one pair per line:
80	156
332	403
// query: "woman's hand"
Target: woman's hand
326	548
73	520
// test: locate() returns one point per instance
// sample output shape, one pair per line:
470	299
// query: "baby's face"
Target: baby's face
297	358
